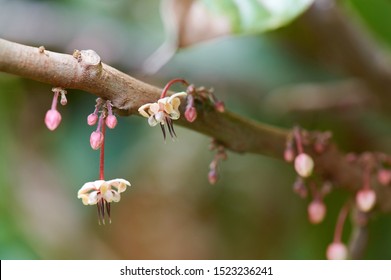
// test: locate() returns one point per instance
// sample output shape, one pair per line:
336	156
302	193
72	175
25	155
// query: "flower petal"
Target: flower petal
116	196
93	198
152	121
90	186
84	198
119	184
160	117
175	115
163	101
108	196
175	103
178	94
142	109
154	108
168	108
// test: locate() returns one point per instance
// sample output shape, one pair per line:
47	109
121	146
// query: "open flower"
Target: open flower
102	193
163	112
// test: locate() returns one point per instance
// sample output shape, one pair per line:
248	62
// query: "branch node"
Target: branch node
41	49
76	54
89	58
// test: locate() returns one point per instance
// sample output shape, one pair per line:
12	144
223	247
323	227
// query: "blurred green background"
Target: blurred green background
283	77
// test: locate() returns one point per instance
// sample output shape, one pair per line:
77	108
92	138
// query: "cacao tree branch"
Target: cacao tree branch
84	71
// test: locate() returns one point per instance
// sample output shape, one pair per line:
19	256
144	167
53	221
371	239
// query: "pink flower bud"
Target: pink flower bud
111	121
63	99
212	176
191	114
304	165
219	106
365	199
384	176
316	211
92	119
96	140
319	147
337	251
289	154
52	119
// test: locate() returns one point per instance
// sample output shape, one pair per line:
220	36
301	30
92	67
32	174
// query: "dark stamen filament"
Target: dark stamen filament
164	131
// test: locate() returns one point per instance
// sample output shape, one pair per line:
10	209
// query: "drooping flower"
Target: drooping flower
337	251
191	114
92	119
111	121
304	165
163	112
102	193
365	199
52	119
384	176
316	211
96	140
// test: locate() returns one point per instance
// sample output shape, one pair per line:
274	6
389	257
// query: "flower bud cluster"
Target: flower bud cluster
306	183
103	115
375	167
294	152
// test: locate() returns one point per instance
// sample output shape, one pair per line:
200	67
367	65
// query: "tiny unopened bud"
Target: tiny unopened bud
289	154
92	119
300	188
304	165
111	121
191	114
222	155
384	176
219	106
212	176
52	119
351	157
63	100
326	188
316	211
319	147
365	199
96	140
337	251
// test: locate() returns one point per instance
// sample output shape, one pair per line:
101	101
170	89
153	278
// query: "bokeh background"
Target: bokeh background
283	77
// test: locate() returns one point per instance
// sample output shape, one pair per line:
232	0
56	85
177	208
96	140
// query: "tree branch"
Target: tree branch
84	71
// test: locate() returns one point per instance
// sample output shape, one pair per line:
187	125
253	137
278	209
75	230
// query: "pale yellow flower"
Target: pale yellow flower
102	193
163	112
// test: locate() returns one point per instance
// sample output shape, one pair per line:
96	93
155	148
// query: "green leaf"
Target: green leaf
376	14
251	16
